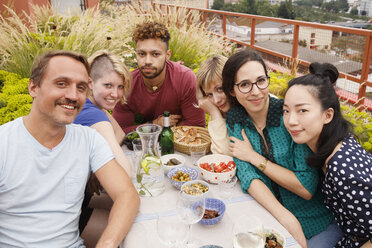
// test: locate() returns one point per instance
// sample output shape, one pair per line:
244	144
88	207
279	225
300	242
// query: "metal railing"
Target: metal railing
293	60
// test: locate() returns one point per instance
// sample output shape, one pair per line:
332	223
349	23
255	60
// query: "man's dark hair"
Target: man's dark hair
151	30
41	63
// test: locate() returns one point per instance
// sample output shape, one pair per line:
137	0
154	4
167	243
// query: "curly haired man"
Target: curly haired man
158	84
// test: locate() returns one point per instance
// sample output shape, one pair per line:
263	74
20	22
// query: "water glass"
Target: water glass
196	153
171	230
137	147
248	232
226	188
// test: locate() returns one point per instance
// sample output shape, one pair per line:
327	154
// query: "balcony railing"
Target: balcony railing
349	49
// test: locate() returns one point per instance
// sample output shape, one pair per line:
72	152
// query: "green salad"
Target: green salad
133	136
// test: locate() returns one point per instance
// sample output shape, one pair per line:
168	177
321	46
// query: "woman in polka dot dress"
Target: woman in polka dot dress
312	115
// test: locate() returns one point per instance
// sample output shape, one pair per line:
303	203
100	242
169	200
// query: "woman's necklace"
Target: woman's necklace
258	127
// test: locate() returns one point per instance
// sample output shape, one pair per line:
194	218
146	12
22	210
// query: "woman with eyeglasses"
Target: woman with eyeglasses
271	167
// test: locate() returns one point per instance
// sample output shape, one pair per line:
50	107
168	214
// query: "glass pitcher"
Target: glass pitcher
150	174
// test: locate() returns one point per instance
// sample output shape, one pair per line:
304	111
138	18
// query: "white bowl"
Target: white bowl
214	177
189	183
165	158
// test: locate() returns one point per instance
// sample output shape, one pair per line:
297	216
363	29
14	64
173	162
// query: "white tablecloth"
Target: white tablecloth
144	234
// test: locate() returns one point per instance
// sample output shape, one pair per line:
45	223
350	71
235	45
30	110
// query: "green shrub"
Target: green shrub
15	100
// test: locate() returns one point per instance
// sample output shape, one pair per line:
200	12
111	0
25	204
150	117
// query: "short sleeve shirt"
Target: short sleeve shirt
41	189
348	192
90	115
312	214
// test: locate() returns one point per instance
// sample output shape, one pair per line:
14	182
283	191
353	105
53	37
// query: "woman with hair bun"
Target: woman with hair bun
312	115
271	167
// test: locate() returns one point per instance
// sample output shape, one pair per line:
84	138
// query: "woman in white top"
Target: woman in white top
213	100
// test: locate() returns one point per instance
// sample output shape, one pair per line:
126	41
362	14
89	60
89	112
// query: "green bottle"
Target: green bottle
166	136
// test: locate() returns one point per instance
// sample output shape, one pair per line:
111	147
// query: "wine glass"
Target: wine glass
248	232
171	230
190	209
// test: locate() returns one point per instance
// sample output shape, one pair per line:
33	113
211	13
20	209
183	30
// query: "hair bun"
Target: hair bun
325	70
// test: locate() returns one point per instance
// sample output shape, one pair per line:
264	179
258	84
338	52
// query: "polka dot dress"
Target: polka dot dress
348	192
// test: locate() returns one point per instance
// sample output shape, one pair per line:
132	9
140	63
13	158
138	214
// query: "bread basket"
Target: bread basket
184	147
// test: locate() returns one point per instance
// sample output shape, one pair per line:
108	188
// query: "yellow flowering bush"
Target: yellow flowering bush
15	100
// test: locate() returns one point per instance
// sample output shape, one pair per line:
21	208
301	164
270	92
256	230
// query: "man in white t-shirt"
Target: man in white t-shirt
45	163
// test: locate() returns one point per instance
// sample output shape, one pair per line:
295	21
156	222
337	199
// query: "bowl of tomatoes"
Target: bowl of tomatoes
215	168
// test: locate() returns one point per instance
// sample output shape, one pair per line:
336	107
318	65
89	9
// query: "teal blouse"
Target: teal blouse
312	214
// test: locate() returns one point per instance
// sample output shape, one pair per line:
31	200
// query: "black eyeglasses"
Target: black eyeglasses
246	86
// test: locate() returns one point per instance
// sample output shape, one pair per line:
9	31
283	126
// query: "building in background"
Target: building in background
61	6
366	5
316	39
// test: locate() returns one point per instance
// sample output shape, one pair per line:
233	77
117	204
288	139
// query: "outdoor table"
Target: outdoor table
144	233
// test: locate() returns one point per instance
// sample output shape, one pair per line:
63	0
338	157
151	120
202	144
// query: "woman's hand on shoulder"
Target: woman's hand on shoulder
241	149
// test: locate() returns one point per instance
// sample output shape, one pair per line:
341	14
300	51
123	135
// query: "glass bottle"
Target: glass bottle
150	174
166	136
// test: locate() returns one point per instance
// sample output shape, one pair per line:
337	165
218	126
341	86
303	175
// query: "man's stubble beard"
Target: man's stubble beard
157	74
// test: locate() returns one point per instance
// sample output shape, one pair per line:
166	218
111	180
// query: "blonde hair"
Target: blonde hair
102	62
209	72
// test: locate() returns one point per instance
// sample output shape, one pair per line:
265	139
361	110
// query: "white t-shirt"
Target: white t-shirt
41	189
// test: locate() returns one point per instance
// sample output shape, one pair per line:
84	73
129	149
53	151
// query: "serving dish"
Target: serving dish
166	158
129	138
214	205
201	185
278	237
191	136
192	173
215	168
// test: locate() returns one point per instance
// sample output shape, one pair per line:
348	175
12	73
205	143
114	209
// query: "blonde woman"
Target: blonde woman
111	82
213	100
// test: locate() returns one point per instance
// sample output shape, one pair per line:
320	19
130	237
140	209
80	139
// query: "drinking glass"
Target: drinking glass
190	210
196	153
171	230
137	148
226	188
248	232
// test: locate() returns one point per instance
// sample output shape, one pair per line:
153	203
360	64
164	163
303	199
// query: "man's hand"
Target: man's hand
173	120
93	185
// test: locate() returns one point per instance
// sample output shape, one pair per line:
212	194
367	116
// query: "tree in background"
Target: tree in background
309	3
247	6
218	4
264	8
343	5
354	11
286	10
229	7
